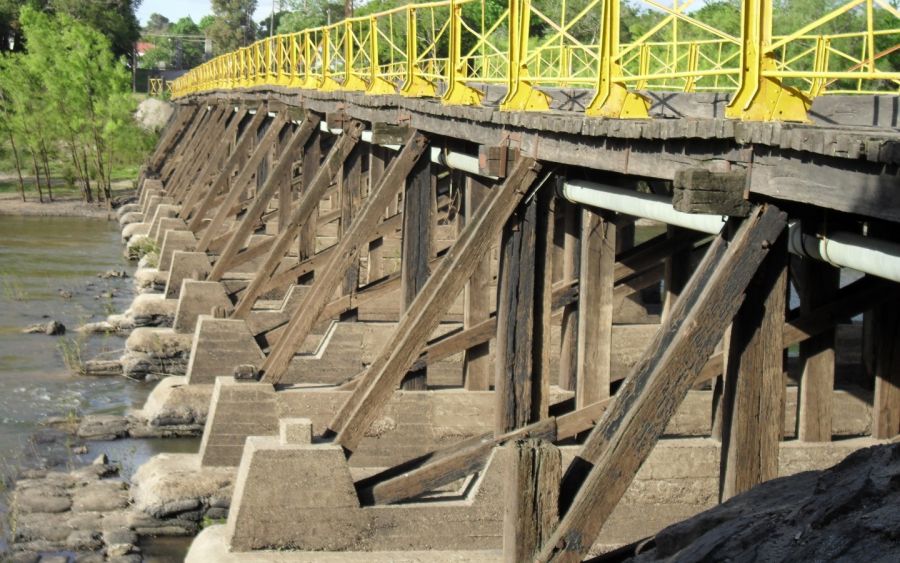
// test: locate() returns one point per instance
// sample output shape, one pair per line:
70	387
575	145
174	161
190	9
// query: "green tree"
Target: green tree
233	26
114	19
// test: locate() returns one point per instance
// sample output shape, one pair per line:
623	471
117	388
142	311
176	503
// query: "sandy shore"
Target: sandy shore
61	206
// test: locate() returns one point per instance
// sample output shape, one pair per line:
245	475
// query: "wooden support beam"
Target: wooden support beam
312	161
378	159
260	152
238	154
245	227
447	465
621	442
416	251
522	378
595	307
754	390
531	498
568	358
184	116
376	387
206	140
885	332
818	283
319	259
342	258
301	215
477	373
350	186
185	146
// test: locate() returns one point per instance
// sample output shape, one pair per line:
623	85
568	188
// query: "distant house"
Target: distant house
143	47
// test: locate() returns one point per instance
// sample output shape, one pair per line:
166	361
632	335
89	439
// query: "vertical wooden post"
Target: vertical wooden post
568	359
350	195
885	333
477	362
523	316
753	395
595	302
378	157
532	498
677	273
418	222
817	285
312	160
285	196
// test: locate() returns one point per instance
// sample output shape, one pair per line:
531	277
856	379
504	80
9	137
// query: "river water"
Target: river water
49	269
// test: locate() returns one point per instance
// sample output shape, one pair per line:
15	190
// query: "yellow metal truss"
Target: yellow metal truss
455	49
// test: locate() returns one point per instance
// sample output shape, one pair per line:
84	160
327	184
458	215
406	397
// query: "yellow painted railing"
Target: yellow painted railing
456	49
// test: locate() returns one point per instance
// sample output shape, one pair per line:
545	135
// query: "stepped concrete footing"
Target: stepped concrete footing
270	513
175	240
185	265
219	346
198	298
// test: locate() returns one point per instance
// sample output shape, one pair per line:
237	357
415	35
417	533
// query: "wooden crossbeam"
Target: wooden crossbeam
300	216
185	148
260	151
359	231
319	259
243	230
204	139
172	136
213	162
413	478
198	211
648	398
431	303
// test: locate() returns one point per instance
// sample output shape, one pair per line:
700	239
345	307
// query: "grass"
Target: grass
70	348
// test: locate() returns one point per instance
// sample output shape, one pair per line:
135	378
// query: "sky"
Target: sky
196	9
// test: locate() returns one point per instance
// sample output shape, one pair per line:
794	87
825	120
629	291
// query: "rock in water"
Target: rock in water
850	512
53	328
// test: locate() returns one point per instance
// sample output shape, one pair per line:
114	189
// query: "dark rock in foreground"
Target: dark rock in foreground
850	512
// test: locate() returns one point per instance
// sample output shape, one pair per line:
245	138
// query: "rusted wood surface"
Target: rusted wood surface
432	302
648	398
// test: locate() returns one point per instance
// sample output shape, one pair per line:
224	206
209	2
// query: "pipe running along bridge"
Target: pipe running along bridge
464	193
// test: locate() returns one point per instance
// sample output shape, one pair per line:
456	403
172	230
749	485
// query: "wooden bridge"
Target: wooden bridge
291	198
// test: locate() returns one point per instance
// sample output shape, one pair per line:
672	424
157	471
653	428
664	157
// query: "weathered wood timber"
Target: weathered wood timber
445	283
522	379
617	446
347	251
312	194
418	227
885	328
245	227
531	498
477	370
754	392
698	190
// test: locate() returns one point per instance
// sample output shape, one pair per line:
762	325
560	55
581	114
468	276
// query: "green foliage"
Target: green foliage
233	26
66	101
176	45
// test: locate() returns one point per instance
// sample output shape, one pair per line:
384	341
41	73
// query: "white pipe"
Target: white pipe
841	249
647	206
848	250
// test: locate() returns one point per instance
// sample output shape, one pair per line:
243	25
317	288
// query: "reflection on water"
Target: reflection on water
48	270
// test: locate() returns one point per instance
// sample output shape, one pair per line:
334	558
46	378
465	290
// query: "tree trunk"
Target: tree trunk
37	175
46	161
12	141
82	175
